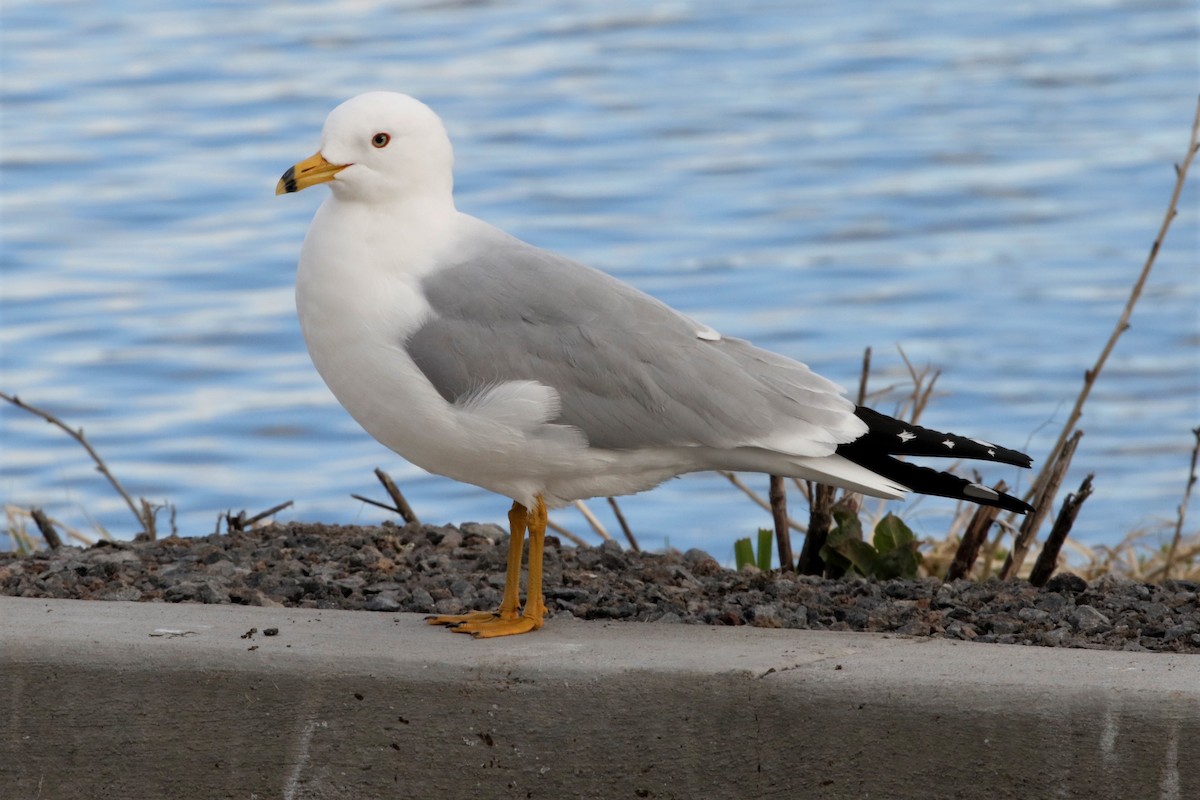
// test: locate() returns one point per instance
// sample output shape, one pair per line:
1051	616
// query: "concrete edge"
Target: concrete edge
161	700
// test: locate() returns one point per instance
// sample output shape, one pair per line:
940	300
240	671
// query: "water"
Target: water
977	184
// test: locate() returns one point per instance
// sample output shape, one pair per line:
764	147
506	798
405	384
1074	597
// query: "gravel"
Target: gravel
448	570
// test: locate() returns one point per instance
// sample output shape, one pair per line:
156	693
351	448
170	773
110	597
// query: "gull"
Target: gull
477	356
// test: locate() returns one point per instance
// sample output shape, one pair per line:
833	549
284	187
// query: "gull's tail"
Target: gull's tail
887	437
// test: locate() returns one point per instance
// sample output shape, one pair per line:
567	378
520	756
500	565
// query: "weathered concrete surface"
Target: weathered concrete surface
96	701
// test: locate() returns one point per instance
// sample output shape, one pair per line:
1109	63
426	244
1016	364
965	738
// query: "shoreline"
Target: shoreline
452	569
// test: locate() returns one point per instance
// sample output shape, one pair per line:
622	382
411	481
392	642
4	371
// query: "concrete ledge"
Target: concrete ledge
100	700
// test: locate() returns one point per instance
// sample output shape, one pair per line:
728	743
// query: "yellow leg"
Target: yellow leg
535	604
506	622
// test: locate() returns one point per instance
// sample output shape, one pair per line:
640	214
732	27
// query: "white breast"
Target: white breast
358	298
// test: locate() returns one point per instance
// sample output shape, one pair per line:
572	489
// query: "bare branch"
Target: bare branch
820	523
259	517
783	536
1047	560
47	529
973	539
1041	507
147	523
592	520
1187	496
862	379
1089	377
566	534
402	506
612	501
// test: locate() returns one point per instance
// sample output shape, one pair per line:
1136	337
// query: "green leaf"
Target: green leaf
891	533
902	562
743	552
862	557
766	543
847	523
836	552
897	546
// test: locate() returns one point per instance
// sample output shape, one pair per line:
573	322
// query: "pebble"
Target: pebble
1087	619
450	570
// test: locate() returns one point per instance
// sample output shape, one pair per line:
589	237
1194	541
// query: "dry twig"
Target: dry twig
1089	377
1187	496
612	501
592	520
49	534
144	517
273	510
1041	507
566	534
820	523
973	539
402	506
1047	560
783	536
862	378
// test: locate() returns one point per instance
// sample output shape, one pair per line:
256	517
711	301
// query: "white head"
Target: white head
379	147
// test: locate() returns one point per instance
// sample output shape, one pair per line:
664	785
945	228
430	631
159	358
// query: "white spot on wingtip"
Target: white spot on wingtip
948	444
906	436
979	490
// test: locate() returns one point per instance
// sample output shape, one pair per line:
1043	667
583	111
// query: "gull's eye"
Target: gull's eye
380	140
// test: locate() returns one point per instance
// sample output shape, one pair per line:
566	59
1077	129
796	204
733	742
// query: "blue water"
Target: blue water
977	184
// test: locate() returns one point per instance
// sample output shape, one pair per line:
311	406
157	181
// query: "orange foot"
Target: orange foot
454	620
487	624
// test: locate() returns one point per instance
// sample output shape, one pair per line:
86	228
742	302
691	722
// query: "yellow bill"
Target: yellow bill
309	172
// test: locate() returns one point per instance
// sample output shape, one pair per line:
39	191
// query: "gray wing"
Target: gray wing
630	371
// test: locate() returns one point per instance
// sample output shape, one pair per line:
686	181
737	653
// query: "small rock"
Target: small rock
422	599
450	539
612	556
113	558
1086	619
1057	637
701	563
763	616
202	591
1066	583
384	601
127	593
915	627
1033	615
1002	623
1052	603
463	589
1188	626
961	630
450	605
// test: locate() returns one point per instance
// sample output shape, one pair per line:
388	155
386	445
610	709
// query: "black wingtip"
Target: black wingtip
888	439
987	496
886	435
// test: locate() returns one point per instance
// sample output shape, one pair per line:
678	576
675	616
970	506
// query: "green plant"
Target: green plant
893	553
743	550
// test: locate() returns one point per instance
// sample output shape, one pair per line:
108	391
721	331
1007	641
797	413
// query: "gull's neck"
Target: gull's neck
404	236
